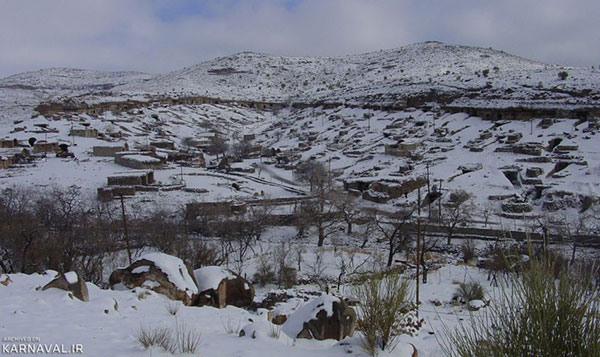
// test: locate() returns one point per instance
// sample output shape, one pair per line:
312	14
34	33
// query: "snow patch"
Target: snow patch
141	269
210	277
71	277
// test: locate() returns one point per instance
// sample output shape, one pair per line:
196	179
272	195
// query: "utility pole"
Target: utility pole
127	245
418	260
428	192
440	199
531	123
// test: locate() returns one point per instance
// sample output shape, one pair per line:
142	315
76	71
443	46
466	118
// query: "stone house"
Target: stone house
131	178
5	162
163	144
8	143
84	132
43	146
141	160
109	150
402	148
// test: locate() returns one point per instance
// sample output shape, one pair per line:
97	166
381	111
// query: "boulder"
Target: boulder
71	282
219	287
325	317
5	279
162	273
279	319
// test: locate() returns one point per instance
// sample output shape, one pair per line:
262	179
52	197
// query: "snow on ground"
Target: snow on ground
108	323
116	316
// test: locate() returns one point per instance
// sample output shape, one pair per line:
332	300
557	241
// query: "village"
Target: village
242	207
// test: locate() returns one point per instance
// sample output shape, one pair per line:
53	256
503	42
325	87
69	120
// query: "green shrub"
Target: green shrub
288	277
470	291
384	301
563	75
535	315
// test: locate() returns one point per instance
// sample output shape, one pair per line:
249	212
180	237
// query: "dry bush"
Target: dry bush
535	315
155	337
180	339
468	251
264	273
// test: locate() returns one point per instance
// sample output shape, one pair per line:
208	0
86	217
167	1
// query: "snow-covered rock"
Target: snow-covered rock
325	317
476	304
219	287
72	282
163	273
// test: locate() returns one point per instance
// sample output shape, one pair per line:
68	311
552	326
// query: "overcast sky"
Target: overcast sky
160	36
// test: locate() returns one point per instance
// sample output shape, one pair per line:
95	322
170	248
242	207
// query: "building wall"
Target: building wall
109	150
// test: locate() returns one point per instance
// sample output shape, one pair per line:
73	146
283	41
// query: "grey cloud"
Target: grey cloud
129	34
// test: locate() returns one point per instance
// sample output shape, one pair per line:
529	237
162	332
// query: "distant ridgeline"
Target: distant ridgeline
480	108
77	107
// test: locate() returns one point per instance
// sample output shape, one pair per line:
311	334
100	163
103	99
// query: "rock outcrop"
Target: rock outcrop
326	317
162	273
219	287
71	282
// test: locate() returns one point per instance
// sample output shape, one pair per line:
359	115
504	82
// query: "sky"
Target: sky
159	36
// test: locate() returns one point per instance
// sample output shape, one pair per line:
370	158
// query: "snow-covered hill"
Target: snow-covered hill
71	79
466	76
381	77
355	136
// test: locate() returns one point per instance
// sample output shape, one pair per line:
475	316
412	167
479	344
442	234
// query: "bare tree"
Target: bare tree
311	172
240	149
428	244
456	211
240	232
321	210
575	227
188	142
347	209
395	231
217	146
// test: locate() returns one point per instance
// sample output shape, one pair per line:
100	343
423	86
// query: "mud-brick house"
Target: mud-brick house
84	132
8	143
12	156
43	146
141	160
205	140
5	162
163	144
110	150
110	193
402	148
132	178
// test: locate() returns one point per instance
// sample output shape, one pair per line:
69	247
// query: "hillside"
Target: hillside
182	174
337	121
408	76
